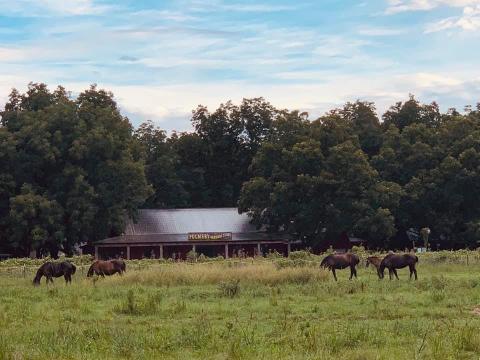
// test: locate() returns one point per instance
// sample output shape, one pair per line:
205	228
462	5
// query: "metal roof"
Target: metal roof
173	225
184	221
179	238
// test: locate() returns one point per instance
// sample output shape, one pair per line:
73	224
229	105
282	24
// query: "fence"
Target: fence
27	268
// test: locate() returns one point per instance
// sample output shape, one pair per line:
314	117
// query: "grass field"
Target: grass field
250	309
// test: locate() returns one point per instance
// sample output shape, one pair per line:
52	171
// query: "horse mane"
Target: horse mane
39	273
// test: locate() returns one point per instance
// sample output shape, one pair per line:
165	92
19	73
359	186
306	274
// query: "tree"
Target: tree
316	191
362	119
73	176
162	165
412	112
35	222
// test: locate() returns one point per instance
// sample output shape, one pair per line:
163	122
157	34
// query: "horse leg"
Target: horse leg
415	272
353	272
334	274
390	273
395	273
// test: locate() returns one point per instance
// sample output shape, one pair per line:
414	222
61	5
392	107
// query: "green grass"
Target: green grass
251	310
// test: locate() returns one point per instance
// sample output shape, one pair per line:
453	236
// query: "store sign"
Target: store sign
210	236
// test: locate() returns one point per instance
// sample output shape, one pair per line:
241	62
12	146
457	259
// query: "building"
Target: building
172	233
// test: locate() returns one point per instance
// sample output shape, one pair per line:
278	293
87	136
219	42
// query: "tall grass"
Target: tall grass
265	273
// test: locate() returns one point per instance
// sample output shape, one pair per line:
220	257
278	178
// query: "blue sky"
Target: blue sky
163	58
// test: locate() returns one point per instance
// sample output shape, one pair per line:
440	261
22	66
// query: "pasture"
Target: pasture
244	309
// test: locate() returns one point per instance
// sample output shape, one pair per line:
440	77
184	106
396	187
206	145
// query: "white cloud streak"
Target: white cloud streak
42	8
468	21
398	6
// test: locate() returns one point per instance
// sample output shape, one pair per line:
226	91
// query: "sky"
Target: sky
163	58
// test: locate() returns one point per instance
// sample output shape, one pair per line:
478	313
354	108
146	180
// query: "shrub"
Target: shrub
300	255
202	258
229	288
274	255
129	306
192	256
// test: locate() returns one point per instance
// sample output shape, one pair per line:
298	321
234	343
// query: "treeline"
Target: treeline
70	169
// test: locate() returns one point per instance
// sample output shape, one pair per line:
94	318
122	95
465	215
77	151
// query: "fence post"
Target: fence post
24	274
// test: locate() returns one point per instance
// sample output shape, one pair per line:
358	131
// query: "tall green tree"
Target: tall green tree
162	165
317	191
73	174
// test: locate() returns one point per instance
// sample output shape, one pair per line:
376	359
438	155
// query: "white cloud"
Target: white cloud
381	31
225	5
397	6
159	15
257	7
468	21
27	8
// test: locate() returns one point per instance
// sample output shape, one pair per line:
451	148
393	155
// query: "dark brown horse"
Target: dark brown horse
341	261
108	268
398	261
53	269
375	261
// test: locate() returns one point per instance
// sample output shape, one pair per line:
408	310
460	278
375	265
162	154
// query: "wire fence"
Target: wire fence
296	259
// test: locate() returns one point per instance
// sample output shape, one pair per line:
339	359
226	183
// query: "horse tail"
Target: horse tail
91	270
416	258
74	268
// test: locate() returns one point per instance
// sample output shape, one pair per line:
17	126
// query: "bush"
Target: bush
129	306
202	258
229	288
300	255
192	256
274	255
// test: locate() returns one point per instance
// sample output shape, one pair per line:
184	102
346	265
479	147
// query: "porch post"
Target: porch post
96	252
226	251
161	251
259	250
194	248
288	248
128	252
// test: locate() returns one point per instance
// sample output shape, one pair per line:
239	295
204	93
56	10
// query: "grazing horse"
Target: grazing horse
53	269
341	261
109	267
375	261
398	261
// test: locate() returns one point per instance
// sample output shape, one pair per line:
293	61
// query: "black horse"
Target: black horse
398	261
341	261
54	269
